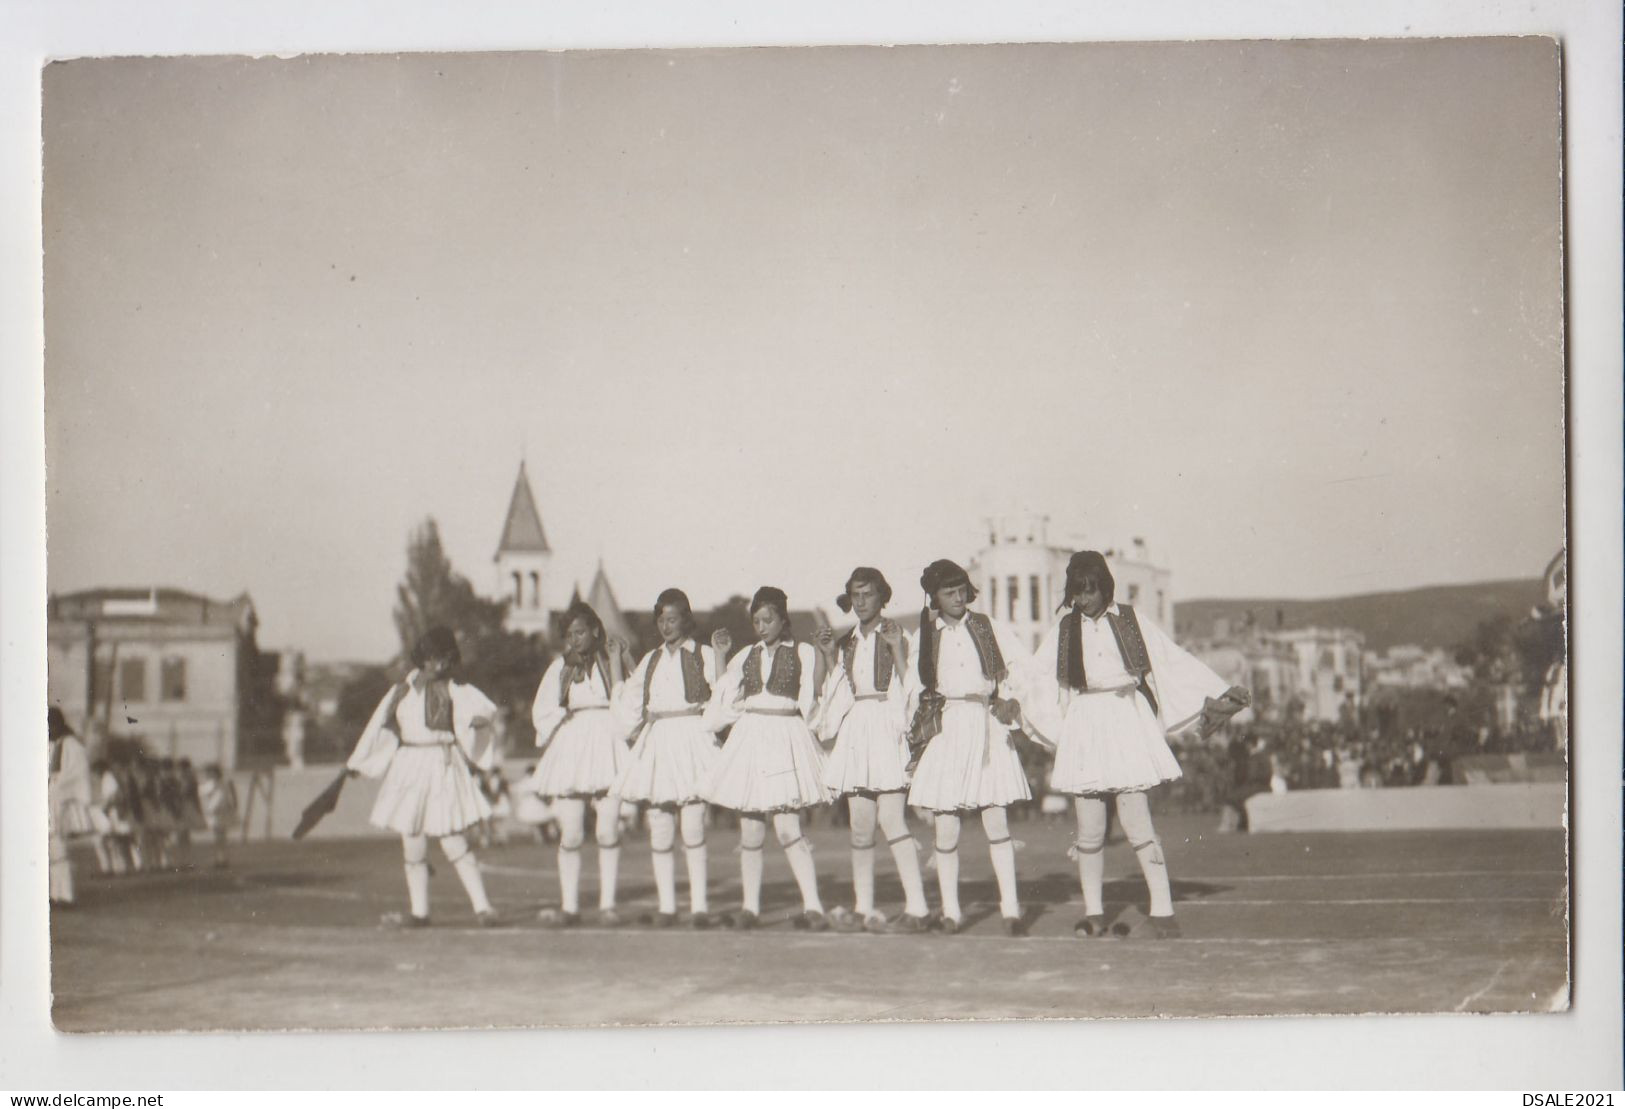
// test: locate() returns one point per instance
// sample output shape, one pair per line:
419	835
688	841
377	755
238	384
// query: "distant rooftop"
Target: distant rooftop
522	530
156	604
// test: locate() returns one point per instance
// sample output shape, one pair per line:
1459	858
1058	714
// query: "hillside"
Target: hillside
1436	616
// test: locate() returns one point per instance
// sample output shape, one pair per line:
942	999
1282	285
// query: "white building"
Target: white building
1022	576
1408	666
1329	669
521	559
174	670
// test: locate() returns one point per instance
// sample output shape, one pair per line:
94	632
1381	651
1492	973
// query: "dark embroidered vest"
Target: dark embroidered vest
883	660
785	678
987	649
696	690
1125	628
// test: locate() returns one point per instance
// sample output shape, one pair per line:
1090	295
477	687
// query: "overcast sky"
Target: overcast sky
1291	311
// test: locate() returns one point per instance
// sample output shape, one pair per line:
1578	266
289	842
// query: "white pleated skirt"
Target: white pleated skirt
670	764
585	758
1111	742
870	753
769	764
971	764
428	791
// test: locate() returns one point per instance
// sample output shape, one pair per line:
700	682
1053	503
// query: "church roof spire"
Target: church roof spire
522	530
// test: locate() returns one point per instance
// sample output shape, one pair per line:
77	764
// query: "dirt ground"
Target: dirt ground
287	938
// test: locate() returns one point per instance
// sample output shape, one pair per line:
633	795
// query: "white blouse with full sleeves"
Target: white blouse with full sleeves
959	667
666	692
471	714
1181	682
728	702
972	763
547	714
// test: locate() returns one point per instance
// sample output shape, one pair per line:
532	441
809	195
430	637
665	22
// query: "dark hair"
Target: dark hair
437	642
56	722
1085	567
678	600
945	574
581	610
770	597
861	576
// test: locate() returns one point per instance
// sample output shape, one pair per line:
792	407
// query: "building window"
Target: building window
1162	617
101	681
172	680
132	679
1133	594
1033	599
535	589
518	589
1012	591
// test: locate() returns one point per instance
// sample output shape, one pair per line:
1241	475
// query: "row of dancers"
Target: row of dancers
139	812
926	720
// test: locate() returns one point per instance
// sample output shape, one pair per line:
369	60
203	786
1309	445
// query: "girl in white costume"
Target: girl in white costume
973	666
661	704
771	765
584	754
1105	689
423	740
864	710
70	799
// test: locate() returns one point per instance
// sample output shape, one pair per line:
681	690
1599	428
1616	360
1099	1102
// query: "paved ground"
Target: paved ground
1277	924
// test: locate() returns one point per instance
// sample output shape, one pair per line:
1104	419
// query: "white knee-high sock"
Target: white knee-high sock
570	877
417	887
907	857
1090	851
691	826
698	895
1135	813
948	881
1003	853
750	879
800	858
416	850
609	873
863	879
1155	869
665	864
468	870
1092	876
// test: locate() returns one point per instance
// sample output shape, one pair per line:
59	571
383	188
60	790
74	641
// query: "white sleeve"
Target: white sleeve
1043	706
473	721
834	702
807	695
1182	682
710	664
911	677
1016	655
626	703
546	713
724	707
377	743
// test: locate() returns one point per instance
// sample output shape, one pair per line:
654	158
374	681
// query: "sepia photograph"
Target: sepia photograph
718	536
840	547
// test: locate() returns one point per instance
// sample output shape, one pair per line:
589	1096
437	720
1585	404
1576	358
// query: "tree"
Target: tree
506	664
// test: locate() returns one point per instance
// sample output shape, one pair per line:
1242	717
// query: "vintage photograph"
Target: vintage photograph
779	535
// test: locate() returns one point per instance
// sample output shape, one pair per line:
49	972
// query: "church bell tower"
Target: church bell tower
522	557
